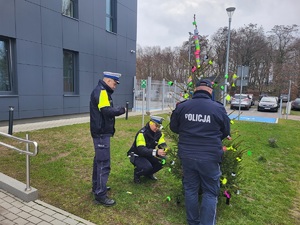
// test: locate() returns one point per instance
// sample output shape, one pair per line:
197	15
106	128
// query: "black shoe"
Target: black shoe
105	201
151	177
136	179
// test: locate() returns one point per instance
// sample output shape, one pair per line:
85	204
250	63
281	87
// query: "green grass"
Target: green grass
269	190
295	112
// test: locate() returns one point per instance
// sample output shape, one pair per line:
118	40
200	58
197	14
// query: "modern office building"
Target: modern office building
53	53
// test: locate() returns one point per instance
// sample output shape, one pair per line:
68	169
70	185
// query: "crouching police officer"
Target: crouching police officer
143	153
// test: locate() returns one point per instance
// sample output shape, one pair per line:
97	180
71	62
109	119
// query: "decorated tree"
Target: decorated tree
232	146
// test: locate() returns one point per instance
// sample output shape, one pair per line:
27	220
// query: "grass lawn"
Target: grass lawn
295	112
269	189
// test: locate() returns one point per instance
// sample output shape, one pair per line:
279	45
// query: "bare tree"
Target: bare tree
251	48
296	68
273	59
282	39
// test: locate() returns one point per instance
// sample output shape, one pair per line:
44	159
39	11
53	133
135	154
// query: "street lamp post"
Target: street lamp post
230	12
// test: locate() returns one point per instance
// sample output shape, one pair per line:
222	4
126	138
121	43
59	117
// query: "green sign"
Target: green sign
143	83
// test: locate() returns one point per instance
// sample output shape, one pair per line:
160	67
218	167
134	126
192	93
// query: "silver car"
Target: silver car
296	104
240	100
284	97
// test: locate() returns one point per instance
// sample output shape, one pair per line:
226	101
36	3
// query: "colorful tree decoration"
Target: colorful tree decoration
234	77
170	83
197	44
193	69
186	96
228	196
228	97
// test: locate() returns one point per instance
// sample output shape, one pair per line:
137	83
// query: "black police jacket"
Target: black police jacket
102	111
146	141
202	124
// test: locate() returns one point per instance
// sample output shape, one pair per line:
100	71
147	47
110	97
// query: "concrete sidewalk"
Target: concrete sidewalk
56	121
14	211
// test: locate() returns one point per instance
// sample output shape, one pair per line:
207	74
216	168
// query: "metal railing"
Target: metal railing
27	152
156	95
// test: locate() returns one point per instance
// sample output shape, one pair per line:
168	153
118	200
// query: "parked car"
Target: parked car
242	100
295	104
268	104
252	99
284	97
262	95
277	99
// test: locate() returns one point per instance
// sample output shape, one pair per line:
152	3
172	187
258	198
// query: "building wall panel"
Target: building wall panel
8	15
40	33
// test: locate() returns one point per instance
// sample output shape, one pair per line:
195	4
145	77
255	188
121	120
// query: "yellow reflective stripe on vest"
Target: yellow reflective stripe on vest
162	139
103	99
140	140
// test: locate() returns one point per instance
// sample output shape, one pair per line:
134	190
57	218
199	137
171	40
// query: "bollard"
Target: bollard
127	103
11	118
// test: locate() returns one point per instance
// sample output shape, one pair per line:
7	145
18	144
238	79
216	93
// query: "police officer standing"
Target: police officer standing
202	124
102	126
148	145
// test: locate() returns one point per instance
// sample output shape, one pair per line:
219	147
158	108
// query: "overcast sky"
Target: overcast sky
167	22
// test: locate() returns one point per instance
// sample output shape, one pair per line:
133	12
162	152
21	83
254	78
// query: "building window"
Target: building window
6	75
70	8
111	15
70	72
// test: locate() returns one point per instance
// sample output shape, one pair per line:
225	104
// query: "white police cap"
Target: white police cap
111	75
156	119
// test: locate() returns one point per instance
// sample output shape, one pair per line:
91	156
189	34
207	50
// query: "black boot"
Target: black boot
136	178
104	201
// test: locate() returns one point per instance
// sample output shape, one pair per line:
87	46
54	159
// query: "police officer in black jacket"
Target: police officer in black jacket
148	145
202	124
102	126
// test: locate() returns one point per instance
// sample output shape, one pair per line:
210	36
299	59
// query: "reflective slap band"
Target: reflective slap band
154	152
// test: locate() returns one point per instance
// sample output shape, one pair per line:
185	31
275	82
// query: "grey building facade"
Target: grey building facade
53	53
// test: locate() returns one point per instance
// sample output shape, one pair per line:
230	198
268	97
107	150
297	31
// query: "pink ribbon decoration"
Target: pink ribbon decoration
228	196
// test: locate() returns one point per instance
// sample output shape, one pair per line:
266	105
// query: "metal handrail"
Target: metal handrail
27	152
